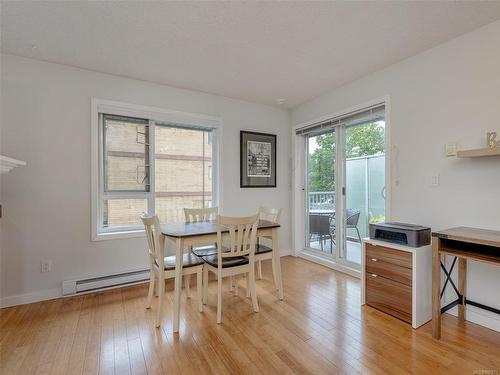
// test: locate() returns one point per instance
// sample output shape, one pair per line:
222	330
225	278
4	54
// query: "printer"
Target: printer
401	233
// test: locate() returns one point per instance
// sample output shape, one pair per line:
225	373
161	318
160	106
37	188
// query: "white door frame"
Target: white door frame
299	185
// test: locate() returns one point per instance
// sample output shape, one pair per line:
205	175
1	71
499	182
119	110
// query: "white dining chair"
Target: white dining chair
264	252
236	258
196	215
163	267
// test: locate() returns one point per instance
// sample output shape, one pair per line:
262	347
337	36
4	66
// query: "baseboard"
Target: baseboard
329	263
482	317
22	299
285	252
48	294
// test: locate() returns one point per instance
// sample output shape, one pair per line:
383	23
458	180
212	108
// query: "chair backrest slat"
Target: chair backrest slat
242	236
153	235
270	214
195	215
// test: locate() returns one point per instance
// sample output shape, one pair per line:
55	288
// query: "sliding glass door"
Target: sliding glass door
321	187
364	198
345	183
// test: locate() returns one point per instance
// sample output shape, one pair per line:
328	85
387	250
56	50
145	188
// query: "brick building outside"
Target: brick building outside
183	171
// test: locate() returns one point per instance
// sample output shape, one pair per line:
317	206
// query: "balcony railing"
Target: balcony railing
365	191
321	200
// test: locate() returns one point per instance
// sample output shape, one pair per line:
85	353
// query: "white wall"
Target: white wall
46	205
448	94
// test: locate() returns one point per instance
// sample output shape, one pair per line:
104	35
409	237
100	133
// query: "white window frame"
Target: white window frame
153	114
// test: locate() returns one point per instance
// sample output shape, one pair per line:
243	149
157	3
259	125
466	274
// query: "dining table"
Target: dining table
187	235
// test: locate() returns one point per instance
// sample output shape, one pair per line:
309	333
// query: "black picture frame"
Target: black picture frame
258	149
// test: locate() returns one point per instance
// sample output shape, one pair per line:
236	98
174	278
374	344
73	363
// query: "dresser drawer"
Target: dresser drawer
389	270
389	296
382	253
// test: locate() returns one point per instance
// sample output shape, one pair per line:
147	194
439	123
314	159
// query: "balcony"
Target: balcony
365	198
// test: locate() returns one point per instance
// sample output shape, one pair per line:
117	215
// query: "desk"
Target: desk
186	235
462	243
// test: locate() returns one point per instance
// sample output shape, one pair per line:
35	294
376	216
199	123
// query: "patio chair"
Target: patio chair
319	225
352	218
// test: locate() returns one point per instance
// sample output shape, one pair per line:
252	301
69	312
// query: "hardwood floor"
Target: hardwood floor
319	328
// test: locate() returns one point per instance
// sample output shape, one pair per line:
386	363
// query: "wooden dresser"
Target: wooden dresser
396	279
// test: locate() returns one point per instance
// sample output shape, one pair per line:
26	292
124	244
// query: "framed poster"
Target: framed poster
257	159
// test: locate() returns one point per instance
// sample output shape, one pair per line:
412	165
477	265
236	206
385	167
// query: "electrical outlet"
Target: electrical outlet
45	266
434	180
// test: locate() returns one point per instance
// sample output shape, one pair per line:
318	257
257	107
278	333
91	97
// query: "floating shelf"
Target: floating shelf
479	153
7	164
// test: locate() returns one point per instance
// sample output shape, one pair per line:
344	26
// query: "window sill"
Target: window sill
104	236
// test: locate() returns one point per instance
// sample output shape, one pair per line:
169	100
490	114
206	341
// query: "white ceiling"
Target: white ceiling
257	51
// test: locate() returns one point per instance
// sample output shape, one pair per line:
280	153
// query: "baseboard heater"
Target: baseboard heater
95	284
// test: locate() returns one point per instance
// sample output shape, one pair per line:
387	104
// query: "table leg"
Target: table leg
277	263
436	289
178	282
462	286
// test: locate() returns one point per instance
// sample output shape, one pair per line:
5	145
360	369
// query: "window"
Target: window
146	163
182	158
125	166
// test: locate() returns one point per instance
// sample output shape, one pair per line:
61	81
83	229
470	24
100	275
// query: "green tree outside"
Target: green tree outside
366	140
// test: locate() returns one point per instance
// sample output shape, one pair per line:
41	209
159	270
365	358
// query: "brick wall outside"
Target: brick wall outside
182	161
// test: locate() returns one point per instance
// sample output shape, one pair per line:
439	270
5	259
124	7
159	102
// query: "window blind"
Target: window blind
370	114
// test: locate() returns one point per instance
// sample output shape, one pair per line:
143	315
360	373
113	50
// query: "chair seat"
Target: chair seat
226	262
203	251
188	260
261	249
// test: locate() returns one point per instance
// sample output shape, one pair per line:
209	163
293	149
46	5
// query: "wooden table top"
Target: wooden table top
179	230
471	235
